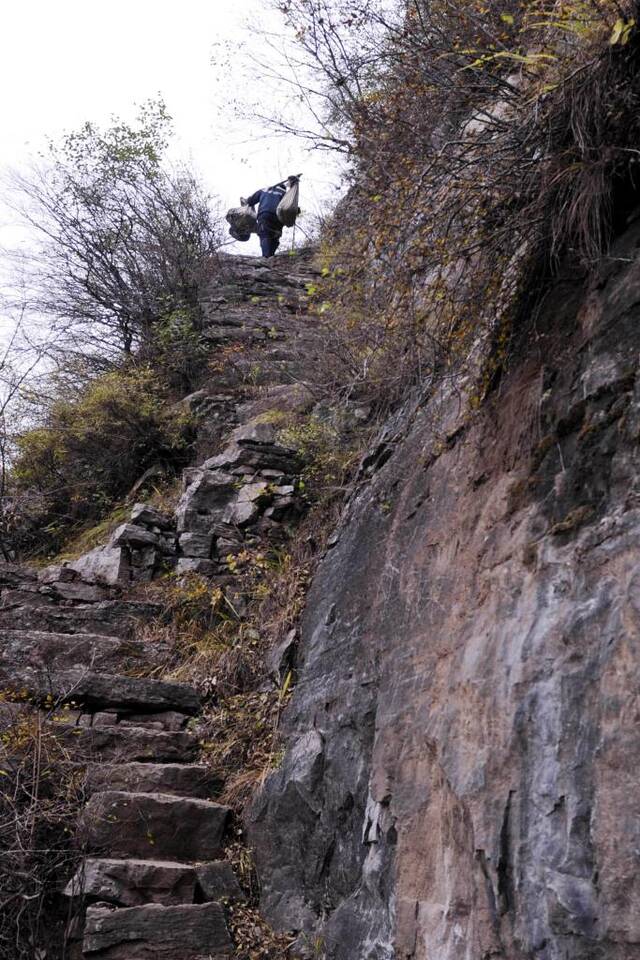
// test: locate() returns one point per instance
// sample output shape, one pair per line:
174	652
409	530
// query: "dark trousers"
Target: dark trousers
269	231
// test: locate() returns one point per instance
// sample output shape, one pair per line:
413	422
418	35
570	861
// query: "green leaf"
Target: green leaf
507	18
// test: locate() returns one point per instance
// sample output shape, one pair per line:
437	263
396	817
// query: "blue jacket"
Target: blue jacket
268	199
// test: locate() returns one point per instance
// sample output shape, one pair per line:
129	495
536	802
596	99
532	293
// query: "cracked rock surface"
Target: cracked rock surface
463	737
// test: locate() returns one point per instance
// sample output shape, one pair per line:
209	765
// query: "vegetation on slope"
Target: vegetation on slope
486	143
126	245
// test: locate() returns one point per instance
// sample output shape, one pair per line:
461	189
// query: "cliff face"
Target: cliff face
464	735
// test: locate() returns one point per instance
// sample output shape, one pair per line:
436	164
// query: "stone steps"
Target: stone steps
112	618
151	885
132	882
122	743
100	690
140	825
156	932
179	779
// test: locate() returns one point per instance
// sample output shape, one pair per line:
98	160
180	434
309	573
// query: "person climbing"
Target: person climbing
269	227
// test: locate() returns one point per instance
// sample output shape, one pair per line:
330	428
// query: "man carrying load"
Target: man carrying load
270	219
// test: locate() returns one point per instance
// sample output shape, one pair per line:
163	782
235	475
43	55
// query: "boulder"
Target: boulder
145	824
155	932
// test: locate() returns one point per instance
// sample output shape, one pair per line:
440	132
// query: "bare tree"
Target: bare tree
123	239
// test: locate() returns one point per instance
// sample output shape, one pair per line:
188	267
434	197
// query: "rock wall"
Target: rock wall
464	736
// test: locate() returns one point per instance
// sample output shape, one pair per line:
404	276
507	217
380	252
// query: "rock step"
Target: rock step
156	932
126	743
139	824
112	618
99	690
179	779
132	882
62	651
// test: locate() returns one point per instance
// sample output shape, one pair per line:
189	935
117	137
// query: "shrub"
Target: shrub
487	141
90	450
41	792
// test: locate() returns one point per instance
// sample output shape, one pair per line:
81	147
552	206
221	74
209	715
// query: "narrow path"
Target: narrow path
153	883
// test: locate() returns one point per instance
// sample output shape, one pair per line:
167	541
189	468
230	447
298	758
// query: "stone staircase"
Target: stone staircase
153	882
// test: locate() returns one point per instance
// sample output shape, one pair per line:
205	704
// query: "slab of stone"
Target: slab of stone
104	718
217	881
112	618
144	515
106	564
181	779
128	534
79	591
62	651
279	660
57	572
165	720
106	690
153	824
123	743
132	882
195	565
226	548
241	513
254	492
255	431
204	500
196	544
155	932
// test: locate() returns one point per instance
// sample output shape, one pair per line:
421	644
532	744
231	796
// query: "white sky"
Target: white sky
66	61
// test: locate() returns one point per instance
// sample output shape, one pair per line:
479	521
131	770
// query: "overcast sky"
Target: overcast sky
66	61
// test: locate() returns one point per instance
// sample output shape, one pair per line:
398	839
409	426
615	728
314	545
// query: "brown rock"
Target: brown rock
190	780
130	883
154	824
217	881
154	932
126	743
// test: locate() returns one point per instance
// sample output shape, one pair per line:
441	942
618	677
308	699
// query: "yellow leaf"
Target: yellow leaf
621	31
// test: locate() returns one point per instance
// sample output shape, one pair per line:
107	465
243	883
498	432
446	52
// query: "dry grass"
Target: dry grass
488	142
41	792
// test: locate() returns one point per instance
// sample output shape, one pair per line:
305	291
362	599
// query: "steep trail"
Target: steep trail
153	882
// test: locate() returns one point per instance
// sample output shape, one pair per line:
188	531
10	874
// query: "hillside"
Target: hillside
320	621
